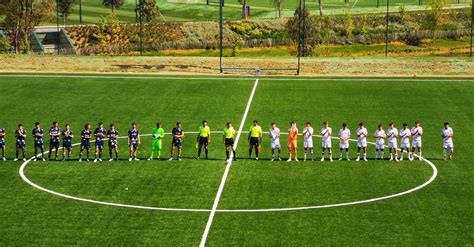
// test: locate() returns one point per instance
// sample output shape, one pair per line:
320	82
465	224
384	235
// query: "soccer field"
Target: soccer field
192	202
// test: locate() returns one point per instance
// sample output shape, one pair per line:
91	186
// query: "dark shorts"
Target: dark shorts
21	145
113	144
39	145
133	145
85	144
2	145
229	142
203	140
177	144
99	144
67	145
254	141
54	143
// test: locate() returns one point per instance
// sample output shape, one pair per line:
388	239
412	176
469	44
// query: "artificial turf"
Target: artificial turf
438	214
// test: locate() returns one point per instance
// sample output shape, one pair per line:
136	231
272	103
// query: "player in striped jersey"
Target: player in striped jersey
99	134
37	134
67	142
133	141
113	135
2	142
55	133
20	136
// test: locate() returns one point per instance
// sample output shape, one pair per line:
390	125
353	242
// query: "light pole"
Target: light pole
386	28
80	11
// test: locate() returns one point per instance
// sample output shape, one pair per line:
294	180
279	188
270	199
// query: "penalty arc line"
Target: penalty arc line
227	169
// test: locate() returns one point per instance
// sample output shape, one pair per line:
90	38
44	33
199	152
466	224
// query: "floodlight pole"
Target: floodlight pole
136	11
80	11
57	26
386	28
301	32
472	24
221	33
141	30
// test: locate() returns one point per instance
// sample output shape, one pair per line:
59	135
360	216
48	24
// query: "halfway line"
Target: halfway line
226	172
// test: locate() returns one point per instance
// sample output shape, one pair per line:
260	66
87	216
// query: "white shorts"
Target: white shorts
416	144
449	145
327	144
344	145
392	145
276	145
308	144
379	146
362	144
405	145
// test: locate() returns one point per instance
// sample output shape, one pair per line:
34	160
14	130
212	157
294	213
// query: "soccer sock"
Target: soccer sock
273	154
419	154
233	152
312	154
16	153
110	153
305	154
330	154
100	155
96	155
383	152
152	153
36	152
199	152
80	156
159	153
340	154
365	155
391	155
445	152
256	152
116	154
347	154
206	151
24	153
227	154
358	155
323	153
377	154
250	152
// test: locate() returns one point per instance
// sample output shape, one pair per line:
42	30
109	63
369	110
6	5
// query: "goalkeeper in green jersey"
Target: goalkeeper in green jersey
158	134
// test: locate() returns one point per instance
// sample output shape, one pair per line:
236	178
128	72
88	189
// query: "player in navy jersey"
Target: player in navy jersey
55	133
133	141
177	142
113	142
2	142
37	134
85	141
20	136
67	142
99	134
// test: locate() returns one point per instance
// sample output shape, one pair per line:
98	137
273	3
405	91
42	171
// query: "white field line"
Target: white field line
226	172
407	79
430	180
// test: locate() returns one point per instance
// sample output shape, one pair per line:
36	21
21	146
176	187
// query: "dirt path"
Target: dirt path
363	67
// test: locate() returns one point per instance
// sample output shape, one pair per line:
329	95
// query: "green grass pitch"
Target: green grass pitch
438	214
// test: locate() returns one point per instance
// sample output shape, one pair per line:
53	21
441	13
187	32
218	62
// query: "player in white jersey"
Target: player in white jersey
380	136
416	133
392	134
405	135
361	133
448	146
274	133
326	133
308	140
344	135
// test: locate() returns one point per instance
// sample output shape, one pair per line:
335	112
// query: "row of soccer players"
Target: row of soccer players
416	133
204	139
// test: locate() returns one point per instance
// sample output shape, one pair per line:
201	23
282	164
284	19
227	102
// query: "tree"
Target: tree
148	10
65	8
113	4
434	17
278	6
302	29
21	16
320	5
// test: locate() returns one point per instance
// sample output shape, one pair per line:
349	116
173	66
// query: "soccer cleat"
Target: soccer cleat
322	159
171	158
16	159
136	159
179	158
365	159
110	160
296	159
80	159
420	158
256	159
348	159
330	159
88	160
95	160
43	159
391	159
340	158
34	159
273	159
130	159
4	159
279	158
198	158
100	160
289	160
358	158
24	159
149	159
397	160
